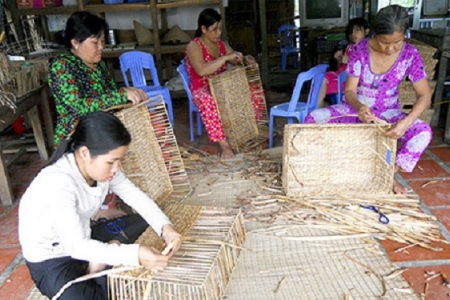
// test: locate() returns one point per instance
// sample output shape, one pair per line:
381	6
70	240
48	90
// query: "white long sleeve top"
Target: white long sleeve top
55	213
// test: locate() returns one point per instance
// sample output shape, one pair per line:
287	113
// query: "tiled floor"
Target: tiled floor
433	170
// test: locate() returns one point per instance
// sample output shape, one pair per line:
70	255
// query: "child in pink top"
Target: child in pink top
357	30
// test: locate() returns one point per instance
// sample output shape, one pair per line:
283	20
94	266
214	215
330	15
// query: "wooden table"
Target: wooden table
26	105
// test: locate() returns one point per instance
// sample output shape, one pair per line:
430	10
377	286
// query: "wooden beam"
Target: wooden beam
264	51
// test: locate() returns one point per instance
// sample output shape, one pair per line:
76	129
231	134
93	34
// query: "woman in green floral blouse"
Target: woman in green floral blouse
79	80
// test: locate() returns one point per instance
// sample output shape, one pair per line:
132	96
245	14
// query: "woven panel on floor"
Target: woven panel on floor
231	92
327	159
143	163
319	268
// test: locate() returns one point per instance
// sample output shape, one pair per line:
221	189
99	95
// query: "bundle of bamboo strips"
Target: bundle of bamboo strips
345	214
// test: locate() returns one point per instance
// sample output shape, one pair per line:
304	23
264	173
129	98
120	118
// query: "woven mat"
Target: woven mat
313	269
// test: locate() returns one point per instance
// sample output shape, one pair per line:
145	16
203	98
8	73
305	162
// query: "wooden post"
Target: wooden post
155	28
33	116
6	195
264	54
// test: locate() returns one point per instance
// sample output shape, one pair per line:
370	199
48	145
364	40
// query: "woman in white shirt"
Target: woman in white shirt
55	213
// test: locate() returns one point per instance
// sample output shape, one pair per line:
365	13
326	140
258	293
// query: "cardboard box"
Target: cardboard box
21	4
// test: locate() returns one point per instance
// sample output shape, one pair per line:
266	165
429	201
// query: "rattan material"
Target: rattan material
327	159
199	270
26	76
143	163
426	116
231	92
169	149
407	96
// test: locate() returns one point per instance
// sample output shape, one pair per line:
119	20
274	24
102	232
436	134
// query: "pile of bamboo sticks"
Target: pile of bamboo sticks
346	215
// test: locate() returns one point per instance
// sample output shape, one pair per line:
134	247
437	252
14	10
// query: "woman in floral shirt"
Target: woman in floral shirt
79	80
376	68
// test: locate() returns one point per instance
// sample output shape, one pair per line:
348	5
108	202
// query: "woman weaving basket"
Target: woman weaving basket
59	242
78	79
206	56
376	68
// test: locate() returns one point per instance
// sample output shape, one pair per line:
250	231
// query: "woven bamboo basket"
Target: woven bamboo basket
231	92
202	267
327	159
426	116
427	53
25	77
143	163
407	96
169	149
262	118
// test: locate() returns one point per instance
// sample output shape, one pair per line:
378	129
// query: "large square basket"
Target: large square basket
330	159
203	266
231	92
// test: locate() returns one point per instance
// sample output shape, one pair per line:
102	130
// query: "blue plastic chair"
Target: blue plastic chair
192	108
294	108
337	98
287	37
136	62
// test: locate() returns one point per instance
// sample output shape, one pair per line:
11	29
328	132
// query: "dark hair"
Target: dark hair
359	22
390	19
206	18
80	26
99	131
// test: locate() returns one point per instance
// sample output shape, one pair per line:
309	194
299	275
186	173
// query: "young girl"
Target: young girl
58	242
357	30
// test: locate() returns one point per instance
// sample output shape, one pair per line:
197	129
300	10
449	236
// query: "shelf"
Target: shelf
175	3
116	7
61	10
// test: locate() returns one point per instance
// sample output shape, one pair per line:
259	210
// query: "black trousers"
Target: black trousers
51	275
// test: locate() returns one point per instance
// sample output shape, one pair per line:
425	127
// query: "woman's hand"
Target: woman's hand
398	130
249	60
152	259
234	57
169	234
365	115
135	95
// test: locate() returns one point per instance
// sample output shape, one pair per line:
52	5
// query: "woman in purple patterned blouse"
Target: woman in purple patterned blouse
376	68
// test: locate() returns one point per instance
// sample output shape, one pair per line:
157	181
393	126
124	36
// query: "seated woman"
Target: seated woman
206	56
376	68
79	80
58	242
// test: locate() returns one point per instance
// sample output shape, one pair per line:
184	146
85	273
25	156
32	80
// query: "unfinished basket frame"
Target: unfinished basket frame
231	91
143	163
203	266
328	159
153	161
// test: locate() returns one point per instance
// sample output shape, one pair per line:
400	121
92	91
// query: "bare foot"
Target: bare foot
227	153
399	189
